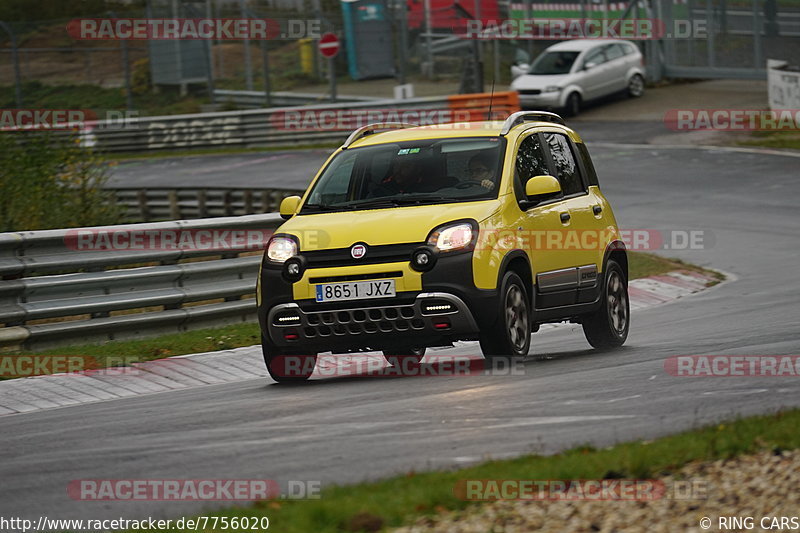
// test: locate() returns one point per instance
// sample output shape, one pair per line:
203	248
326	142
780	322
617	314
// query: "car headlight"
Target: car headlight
551	89
280	249
453	237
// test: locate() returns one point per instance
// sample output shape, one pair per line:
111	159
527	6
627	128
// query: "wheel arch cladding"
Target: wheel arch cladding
517	262
621	258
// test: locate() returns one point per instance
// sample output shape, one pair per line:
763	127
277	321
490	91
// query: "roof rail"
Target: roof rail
521	117
369	129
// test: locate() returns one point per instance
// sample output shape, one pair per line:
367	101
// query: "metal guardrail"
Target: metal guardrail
256	99
148	204
53	292
279	126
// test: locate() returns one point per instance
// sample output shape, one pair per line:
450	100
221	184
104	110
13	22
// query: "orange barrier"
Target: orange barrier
477	105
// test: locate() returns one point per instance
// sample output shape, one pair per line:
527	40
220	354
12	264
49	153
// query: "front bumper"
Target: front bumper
430	318
401	321
551	100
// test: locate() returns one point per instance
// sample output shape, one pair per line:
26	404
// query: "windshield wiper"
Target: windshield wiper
394	201
320	207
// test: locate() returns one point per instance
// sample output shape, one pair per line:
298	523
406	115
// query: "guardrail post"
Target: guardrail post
174	206
265	201
227	204
247	198
201	204
144	211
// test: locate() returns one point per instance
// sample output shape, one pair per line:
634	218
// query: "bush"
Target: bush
140	77
51	181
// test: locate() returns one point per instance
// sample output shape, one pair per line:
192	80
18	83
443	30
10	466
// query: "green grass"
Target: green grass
773	139
214	151
40	96
402	499
238	335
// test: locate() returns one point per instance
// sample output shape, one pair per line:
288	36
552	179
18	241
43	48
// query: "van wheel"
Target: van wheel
636	86
573	105
608	326
511	333
404	358
287	367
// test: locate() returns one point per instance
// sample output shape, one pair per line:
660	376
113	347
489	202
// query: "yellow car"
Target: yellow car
413	237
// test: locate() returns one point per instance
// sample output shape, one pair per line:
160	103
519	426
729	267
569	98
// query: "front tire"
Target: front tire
573	105
285	366
406	359
511	333
608	326
636	86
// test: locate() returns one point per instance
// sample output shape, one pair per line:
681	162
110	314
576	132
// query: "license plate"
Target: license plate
355	290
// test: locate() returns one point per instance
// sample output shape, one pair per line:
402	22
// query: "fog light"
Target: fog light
293	268
423	258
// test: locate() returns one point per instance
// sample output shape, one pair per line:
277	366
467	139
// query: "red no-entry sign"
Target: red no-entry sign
329	45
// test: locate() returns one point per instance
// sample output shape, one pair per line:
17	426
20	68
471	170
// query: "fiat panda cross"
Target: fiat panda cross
414	237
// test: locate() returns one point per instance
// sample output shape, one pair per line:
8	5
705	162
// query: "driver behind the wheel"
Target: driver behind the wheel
481	169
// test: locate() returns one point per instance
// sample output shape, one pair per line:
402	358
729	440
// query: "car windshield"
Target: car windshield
553	63
428	171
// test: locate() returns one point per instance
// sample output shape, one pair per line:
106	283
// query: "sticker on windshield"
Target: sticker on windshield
405	151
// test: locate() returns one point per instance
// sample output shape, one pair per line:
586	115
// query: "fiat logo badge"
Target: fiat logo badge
358	251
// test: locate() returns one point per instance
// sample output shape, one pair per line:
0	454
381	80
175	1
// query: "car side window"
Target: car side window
530	160
336	188
588	166
566	168
596	56
614	51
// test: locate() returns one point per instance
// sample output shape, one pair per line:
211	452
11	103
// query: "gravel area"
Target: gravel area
757	486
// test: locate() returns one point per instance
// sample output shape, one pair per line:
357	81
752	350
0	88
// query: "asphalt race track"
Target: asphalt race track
350	429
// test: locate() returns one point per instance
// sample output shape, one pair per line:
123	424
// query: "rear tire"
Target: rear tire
406	359
573	105
286	366
608	326
510	335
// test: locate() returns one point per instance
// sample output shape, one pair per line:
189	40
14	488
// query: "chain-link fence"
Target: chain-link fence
424	38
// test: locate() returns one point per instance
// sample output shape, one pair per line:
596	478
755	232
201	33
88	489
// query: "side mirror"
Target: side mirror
589	65
519	70
289	206
541	188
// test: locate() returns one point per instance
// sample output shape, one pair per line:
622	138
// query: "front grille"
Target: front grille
355	277
530	91
363	321
337	257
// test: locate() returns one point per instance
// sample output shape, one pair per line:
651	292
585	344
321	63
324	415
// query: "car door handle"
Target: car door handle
565	217
596	209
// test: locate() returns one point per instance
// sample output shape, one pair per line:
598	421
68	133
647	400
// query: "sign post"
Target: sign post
328	47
